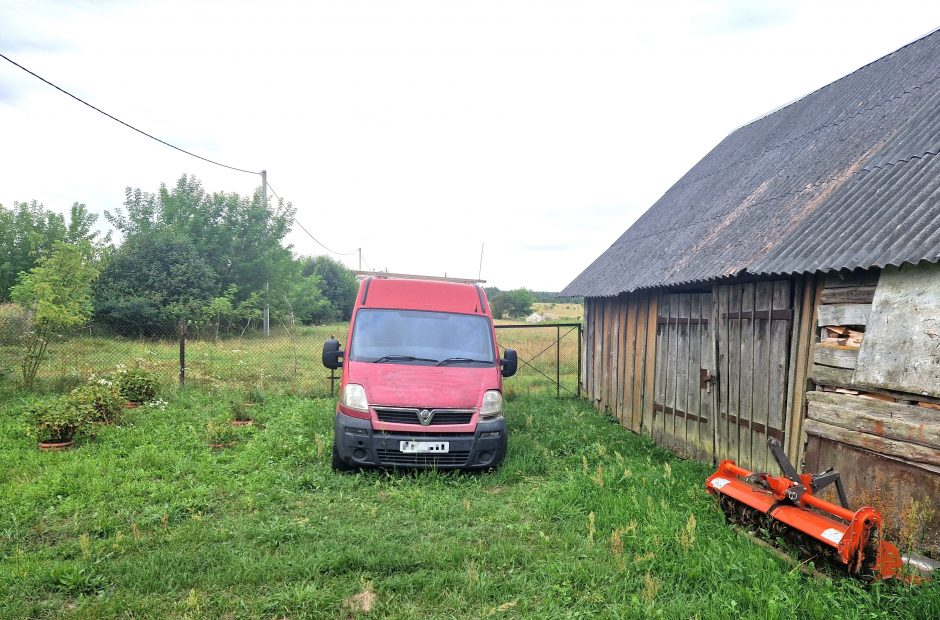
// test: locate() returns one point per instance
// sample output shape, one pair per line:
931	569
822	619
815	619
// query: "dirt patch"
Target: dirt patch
359	604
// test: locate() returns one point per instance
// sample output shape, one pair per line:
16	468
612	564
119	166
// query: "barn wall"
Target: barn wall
619	356
709	373
868	416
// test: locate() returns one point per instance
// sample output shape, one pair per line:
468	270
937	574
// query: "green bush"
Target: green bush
255	396
14	324
137	385
58	420
102	398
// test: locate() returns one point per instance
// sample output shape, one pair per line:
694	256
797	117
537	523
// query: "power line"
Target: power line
128	125
320	243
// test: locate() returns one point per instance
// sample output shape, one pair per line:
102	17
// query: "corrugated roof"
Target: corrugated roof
846	177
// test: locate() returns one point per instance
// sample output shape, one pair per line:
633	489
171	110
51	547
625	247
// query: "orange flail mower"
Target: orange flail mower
787	507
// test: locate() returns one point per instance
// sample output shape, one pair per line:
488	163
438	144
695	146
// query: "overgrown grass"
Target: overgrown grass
584	520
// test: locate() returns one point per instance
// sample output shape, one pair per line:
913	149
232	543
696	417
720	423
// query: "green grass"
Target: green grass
144	520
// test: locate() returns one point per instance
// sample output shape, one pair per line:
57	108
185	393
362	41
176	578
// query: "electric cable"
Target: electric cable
128	125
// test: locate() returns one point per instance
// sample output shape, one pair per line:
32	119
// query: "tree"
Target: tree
56	294
29	231
239	237
514	304
338	284
160	277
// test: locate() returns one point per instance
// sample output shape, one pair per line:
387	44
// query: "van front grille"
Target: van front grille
410	415
456	458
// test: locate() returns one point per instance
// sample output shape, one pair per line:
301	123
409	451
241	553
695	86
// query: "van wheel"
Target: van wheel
338	463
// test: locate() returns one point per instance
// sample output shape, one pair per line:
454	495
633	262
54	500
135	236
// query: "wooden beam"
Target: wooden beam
875	417
840	357
848	295
844	314
874	443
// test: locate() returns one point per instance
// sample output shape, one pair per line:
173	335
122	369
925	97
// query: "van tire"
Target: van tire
339	464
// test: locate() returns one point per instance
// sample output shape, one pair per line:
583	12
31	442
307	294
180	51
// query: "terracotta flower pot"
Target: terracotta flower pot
247	422
131	405
50	446
220	446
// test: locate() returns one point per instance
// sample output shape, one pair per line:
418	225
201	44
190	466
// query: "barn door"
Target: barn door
682	405
753	343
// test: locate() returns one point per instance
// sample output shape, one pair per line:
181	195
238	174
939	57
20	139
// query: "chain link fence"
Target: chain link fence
286	361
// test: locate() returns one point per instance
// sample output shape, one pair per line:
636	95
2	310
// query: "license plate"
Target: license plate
421	447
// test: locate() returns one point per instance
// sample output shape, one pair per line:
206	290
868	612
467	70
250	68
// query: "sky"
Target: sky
419	131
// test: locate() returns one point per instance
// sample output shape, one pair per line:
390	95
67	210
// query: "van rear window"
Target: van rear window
420	337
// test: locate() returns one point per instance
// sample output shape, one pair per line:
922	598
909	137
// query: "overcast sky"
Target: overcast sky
418	130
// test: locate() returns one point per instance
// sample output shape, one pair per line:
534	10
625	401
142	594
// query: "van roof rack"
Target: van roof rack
412	276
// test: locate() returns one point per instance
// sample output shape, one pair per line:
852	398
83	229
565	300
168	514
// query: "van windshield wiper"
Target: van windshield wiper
458	360
402	358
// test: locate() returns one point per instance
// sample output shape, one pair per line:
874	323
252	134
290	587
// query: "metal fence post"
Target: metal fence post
182	331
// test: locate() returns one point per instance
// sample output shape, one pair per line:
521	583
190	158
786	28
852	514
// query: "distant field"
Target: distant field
560	312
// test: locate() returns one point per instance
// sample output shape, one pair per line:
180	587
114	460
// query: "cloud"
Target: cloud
747	16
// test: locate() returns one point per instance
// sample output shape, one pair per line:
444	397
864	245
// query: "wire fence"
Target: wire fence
286	361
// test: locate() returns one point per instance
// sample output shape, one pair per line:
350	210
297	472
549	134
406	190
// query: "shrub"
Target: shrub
242	411
219	434
255	396
14	324
102	398
137	385
58	420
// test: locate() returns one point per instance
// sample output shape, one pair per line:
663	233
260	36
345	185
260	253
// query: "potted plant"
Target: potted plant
137	385
56	422
102	400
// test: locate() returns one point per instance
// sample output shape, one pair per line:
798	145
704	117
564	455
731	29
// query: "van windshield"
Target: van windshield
420	337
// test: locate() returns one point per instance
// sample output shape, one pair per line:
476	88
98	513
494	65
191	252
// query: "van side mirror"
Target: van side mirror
510	362
332	355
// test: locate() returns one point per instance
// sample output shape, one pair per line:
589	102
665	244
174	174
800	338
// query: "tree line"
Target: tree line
210	259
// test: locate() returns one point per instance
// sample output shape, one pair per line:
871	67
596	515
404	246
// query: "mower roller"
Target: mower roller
787	507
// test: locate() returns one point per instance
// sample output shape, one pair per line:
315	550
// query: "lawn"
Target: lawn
584	520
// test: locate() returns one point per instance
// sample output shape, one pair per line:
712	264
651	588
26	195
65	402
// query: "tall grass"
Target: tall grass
584	520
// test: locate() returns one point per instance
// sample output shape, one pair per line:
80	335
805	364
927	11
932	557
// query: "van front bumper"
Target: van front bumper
357	444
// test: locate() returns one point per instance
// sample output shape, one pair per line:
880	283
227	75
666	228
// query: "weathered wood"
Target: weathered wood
901	349
650	359
597	359
848	295
851	278
881	445
844	314
837	357
587	349
844	377
875	417
612	358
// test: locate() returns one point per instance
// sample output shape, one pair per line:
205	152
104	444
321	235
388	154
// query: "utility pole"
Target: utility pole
267	269
360	259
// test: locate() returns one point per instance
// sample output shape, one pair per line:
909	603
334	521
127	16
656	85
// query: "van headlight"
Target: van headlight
354	397
492	406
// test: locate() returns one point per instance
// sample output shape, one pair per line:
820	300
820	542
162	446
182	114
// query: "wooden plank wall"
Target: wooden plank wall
682	408
884	443
619	354
644	352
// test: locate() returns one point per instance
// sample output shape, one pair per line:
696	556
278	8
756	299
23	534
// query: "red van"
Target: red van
422	378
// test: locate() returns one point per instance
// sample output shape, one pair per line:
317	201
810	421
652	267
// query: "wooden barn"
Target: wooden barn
787	286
